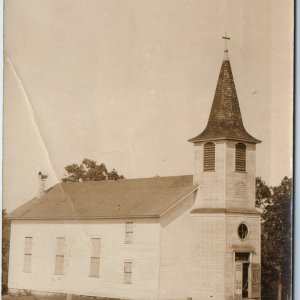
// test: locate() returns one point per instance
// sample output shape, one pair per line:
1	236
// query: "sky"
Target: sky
127	83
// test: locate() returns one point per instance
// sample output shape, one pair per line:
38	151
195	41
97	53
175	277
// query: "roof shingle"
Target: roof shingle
225	119
146	197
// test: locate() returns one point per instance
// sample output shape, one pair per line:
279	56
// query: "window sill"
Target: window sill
128	242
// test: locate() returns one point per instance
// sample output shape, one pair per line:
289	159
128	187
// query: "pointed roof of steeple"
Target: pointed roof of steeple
225	119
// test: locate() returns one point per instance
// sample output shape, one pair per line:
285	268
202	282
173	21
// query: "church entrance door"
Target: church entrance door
245	280
242	264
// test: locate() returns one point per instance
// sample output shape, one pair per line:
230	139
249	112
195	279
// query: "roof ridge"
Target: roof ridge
125	179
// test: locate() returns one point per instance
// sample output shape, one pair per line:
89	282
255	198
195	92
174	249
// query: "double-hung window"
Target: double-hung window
129	232
27	254
95	258
60	256
128	272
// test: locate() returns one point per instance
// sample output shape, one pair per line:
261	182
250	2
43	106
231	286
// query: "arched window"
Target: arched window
240	157
209	157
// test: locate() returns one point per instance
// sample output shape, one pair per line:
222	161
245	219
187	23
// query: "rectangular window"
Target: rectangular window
129	232
27	254
95	258
128	272
60	255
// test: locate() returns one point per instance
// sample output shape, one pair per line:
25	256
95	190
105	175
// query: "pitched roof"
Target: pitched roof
225	119
148	197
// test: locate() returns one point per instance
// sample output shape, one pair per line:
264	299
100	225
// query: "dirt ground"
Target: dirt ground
6	297
62	297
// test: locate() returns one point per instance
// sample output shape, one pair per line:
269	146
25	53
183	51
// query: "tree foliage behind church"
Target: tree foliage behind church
276	248
89	170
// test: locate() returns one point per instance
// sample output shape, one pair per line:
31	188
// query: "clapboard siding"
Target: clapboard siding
208	249
144	253
176	251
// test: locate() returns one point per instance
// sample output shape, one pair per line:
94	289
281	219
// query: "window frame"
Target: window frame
27	266
95	256
129	232
126	272
209	163
243	238
60	256
240	162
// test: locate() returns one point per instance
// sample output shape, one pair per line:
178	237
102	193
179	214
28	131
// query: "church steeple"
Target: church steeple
225	119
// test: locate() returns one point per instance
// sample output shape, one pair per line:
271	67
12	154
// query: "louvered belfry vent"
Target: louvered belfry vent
209	157
240	157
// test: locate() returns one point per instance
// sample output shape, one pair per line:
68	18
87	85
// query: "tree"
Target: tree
263	194
89	170
276	238
5	250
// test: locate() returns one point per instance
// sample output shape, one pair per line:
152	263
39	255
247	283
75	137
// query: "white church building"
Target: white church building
182	237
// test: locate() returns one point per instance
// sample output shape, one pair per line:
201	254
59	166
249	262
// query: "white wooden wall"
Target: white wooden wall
144	253
176	251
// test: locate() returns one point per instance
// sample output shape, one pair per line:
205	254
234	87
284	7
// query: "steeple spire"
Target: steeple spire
225	119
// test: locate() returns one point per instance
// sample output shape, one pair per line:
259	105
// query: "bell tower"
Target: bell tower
225	152
224	212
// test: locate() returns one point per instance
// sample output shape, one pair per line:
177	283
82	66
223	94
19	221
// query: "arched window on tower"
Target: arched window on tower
209	157
240	157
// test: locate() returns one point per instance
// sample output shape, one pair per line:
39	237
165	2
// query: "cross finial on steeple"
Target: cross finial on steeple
226	38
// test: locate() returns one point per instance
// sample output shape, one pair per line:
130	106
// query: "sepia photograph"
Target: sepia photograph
148	150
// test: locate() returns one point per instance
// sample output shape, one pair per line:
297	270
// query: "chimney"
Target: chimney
42	179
